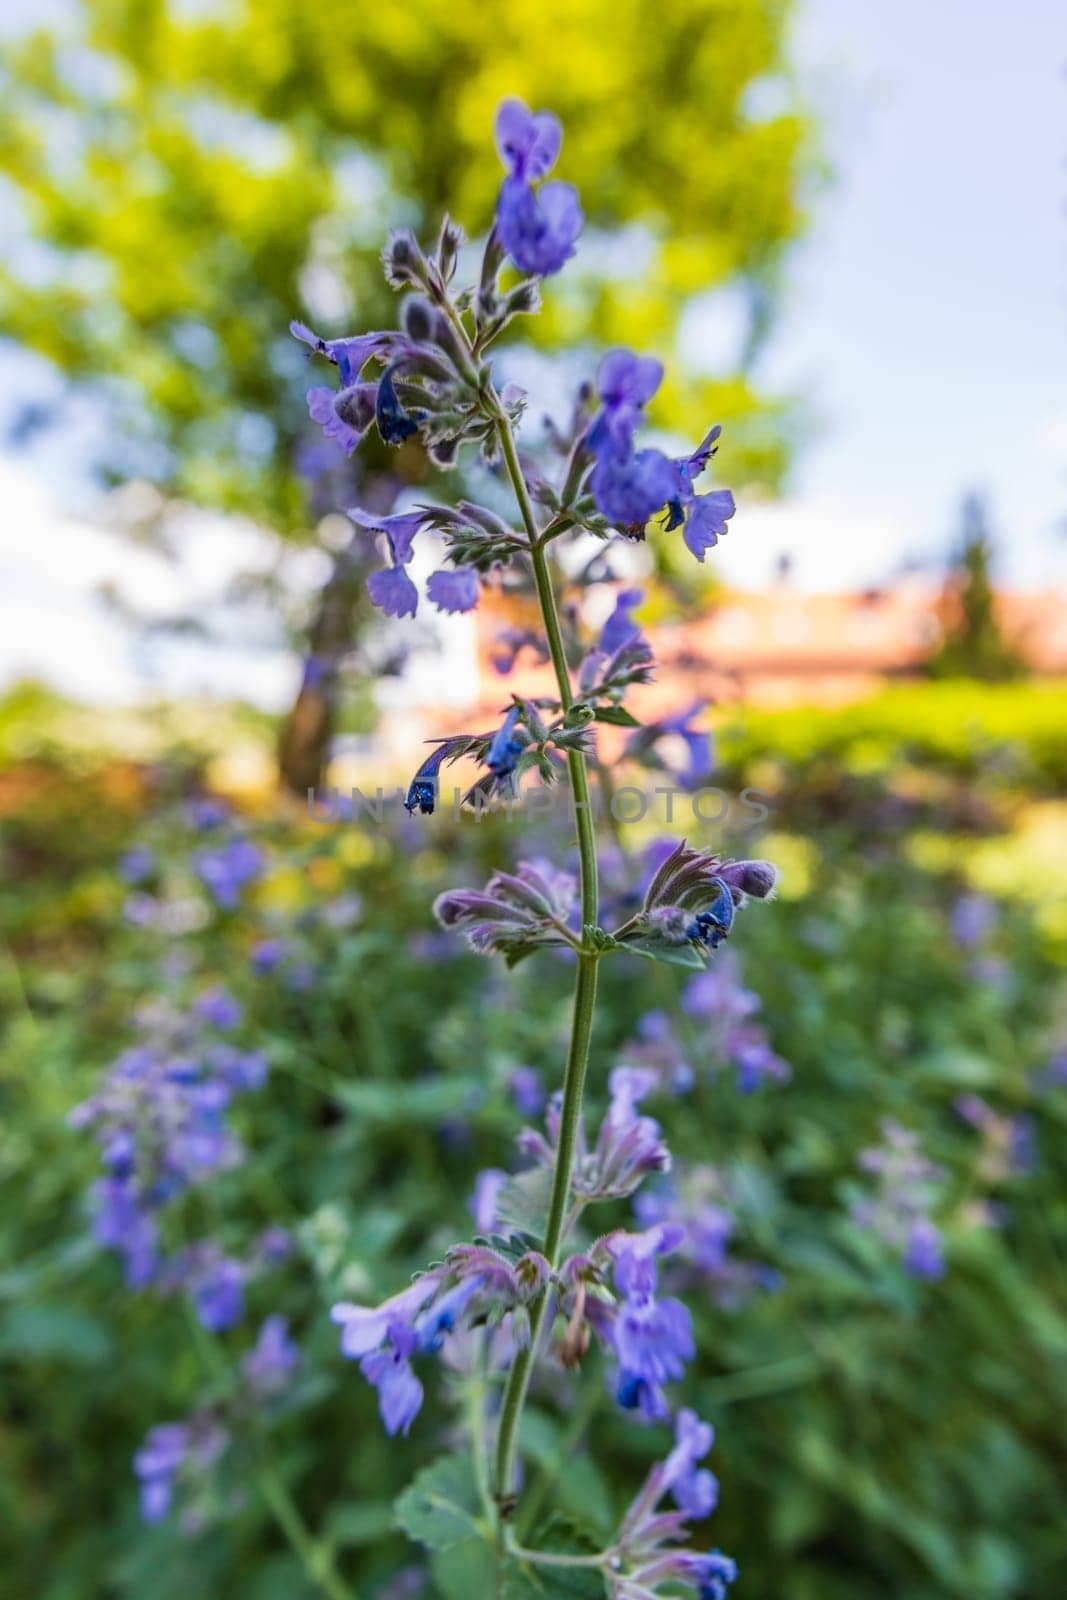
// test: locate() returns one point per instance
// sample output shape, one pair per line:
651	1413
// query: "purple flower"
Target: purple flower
239	1070
625	383
696	742
620	628
219	1008
973	918
188	1449
454	588
384	1338
389	1370
273	1359
393	592
629	1146
364	1328
907	1187
422	790
505	748
393	422
268	954
712	925
391	589
510	642
343	414
653	1338
218	1294
137	864
157	1464
648	1535
694	1488
705	516
527	1091
631	488
528	142
488	1186
539	231
350	355
227	870
120	1223
707	519
924	1256
207	813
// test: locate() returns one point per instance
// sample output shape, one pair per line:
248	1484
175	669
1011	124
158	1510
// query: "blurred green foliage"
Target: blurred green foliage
875	1435
188	178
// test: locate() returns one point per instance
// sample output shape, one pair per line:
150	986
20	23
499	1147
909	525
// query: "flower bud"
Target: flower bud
403	261
418	318
755	878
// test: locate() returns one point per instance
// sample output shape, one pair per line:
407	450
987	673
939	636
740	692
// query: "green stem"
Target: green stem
550	1558
313	1556
316	1560
585	982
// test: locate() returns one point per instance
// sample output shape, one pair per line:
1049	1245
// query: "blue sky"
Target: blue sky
927	312
925	322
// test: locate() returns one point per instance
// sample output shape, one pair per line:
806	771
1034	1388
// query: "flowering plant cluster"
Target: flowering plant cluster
537	1287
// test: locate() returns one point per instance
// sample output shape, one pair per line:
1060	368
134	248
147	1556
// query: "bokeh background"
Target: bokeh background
841	225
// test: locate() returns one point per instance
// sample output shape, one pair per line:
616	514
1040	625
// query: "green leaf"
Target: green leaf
440	1507
618	716
526	1580
410	1102
674	955
54	1333
357	1522
523	1202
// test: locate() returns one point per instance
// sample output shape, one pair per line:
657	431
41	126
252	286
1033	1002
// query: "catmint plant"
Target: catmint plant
540	1284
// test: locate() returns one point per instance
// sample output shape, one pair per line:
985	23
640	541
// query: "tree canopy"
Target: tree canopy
187	178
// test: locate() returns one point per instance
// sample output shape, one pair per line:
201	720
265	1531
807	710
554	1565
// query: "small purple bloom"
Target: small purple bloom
399	529
207	813
219	1008
218	1294
620	628
394	424
539	231
528	142
157	1464
342	414
488	1186
389	1370
925	1256
119	1223
393	592
629	489
350	355
454	588
137	864
505	749
267	955
273	1359
653	1338
391	589
694	1488
187	1448
422	790
364	1328
527	1090
973	918
707	519
625	383
227	870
